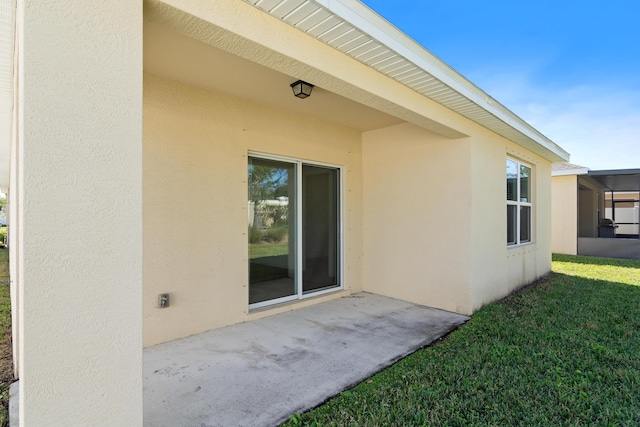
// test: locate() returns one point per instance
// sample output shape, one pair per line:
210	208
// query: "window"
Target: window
518	203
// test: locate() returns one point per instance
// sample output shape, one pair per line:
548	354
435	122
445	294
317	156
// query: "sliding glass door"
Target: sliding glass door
319	228
294	229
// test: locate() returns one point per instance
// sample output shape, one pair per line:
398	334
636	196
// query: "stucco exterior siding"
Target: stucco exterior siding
195	199
498	269
435	215
417	192
578	205
77	213
564	212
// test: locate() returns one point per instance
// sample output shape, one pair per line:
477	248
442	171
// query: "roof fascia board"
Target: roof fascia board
379	28
566	172
615	172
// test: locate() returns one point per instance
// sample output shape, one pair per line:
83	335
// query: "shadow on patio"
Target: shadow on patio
260	373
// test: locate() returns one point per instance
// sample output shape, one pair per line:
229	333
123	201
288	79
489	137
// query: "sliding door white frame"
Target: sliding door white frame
299	295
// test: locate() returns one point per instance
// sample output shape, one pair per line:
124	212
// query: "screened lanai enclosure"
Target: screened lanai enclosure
610	199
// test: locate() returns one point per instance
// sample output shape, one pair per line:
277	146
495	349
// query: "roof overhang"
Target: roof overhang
566	169
175	56
257	38
355	30
618	179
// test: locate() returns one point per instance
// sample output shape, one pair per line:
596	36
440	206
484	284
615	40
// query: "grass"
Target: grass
565	352
259	250
6	362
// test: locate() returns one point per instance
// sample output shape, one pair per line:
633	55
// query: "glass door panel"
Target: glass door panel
320	228
272	225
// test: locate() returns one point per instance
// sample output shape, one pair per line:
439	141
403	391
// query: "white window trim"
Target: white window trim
300	295
519	203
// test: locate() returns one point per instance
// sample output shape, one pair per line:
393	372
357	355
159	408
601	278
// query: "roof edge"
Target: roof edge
615	172
568	172
363	17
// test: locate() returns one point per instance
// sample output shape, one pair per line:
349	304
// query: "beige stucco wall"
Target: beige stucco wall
77	196
564	214
13	225
417	192
498	269
195	199
435	215
424	215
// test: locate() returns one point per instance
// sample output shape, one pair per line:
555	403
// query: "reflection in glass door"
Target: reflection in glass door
319	228
294	230
272	258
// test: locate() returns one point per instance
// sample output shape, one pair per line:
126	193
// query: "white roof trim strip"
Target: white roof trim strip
567	172
352	28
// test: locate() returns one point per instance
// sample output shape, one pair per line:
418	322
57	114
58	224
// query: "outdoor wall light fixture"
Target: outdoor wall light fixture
301	89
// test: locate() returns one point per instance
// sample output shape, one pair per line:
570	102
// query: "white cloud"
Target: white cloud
599	124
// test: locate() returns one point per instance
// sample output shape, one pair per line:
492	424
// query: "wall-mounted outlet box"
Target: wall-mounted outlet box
163	300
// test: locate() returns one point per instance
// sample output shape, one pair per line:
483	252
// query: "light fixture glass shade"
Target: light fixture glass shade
301	89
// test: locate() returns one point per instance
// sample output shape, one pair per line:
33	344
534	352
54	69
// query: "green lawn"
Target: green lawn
6	364
564	353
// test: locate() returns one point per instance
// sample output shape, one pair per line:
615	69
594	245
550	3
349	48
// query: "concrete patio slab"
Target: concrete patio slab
260	373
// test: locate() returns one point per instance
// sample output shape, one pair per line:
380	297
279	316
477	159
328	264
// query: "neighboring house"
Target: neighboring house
142	132
595	212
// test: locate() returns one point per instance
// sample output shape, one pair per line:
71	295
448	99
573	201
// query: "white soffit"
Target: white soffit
7	36
352	28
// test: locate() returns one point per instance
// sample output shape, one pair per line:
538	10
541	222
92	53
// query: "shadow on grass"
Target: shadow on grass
591	260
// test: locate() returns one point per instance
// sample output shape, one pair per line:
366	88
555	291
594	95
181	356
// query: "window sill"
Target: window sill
521	245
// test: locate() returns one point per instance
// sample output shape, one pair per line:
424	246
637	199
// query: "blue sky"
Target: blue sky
569	68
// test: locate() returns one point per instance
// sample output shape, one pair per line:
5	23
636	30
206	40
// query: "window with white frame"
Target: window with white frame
518	203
